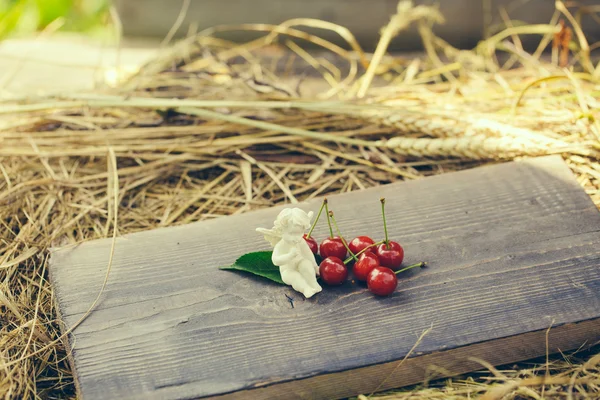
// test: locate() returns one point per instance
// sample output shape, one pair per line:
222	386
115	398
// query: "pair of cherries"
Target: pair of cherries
375	263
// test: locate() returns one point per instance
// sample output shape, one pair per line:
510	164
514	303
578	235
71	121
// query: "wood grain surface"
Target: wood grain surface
513	249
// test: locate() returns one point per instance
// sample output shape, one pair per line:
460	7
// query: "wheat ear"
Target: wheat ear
479	147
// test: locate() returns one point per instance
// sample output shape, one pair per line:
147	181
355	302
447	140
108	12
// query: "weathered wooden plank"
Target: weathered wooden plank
513	249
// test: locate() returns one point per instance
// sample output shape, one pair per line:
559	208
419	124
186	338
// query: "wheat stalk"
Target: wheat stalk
478	147
445	127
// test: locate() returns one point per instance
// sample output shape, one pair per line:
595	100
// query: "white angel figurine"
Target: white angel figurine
291	253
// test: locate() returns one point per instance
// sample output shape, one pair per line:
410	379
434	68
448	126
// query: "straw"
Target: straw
212	128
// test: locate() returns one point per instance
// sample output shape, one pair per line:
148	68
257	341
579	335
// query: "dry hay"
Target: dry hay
214	128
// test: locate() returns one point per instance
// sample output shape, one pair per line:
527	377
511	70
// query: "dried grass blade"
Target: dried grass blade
27	254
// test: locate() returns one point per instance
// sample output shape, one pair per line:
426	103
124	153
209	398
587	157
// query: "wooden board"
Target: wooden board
513	249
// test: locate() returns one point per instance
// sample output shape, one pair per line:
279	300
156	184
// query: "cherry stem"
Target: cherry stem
316	219
419	264
342	238
387	241
328	221
364	250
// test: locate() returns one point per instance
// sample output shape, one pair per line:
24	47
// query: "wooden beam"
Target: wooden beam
513	249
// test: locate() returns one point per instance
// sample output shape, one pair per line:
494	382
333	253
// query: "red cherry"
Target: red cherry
333	247
333	271
365	264
360	243
391	256
382	281
312	243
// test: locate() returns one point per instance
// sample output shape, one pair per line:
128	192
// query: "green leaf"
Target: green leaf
257	263
10	19
49	10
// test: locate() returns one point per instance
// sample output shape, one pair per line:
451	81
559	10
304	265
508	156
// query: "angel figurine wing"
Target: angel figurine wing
273	236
